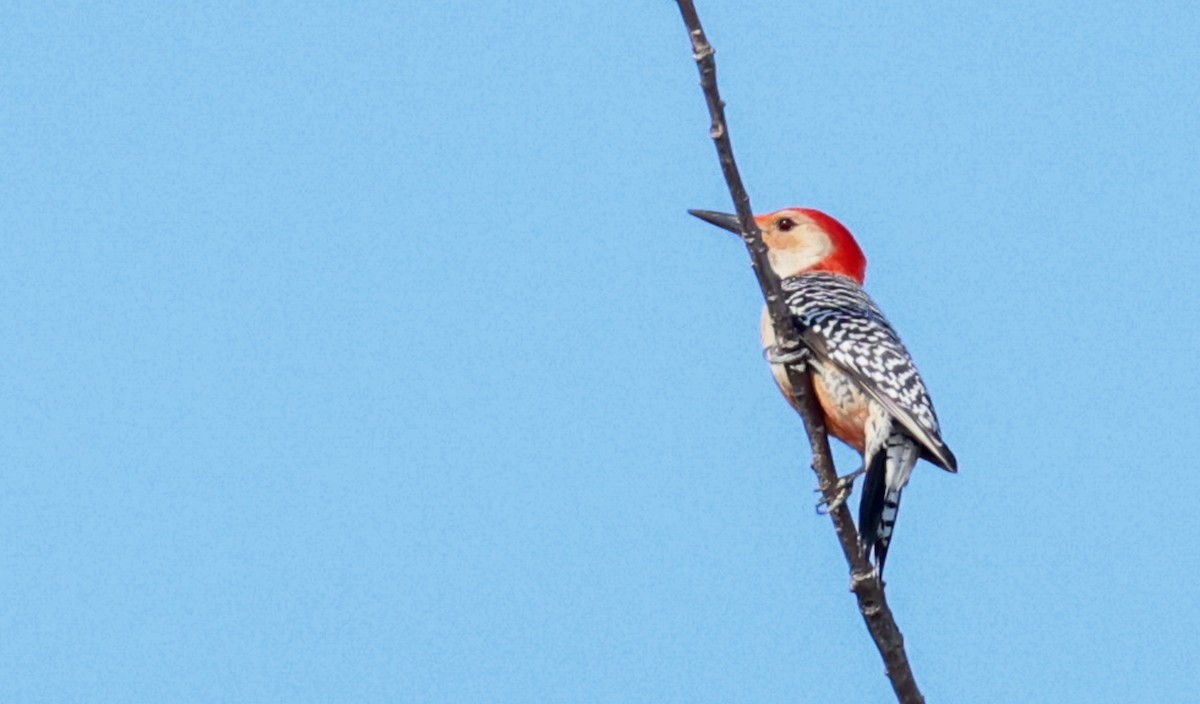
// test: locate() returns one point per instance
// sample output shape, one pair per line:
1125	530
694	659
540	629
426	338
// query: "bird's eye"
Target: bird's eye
785	224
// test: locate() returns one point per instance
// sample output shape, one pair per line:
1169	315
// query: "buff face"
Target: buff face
795	241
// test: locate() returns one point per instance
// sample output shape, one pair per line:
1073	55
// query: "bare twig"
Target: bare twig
864	581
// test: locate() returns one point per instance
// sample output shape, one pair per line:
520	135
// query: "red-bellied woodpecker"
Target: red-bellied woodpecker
865	381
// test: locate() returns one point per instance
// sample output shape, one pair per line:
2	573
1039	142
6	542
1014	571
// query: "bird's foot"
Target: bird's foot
779	354
842	489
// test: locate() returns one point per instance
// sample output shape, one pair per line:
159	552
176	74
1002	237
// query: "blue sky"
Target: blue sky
368	354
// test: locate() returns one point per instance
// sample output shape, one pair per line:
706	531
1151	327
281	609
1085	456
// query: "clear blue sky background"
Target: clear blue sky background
368	354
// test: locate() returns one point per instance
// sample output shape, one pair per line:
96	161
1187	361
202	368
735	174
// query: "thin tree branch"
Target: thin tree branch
864	580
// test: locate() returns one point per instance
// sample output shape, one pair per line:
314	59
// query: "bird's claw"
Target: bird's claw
778	354
842	489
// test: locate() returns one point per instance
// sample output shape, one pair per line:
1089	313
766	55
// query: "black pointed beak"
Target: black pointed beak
725	221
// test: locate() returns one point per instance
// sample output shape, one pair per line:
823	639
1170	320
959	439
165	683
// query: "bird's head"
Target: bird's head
801	241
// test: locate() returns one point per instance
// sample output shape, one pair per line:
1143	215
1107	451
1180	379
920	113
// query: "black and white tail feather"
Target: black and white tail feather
889	462
848	333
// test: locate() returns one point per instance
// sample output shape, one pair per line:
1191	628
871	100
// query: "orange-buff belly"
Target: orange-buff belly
845	421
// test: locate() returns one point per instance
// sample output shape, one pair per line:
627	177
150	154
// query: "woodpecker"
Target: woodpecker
866	383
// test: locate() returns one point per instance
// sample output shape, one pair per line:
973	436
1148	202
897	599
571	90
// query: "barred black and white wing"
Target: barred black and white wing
843	327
